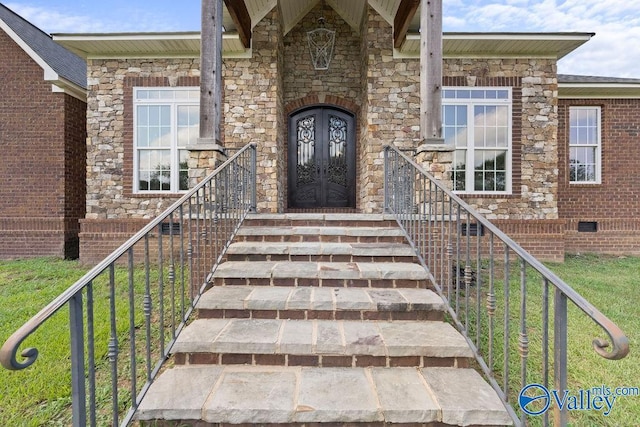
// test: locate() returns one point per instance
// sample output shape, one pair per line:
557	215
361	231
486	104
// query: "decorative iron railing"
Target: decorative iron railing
148	286
492	287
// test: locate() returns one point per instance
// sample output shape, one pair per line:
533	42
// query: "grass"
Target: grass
610	284
39	395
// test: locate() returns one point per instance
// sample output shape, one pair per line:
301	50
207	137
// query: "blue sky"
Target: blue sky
614	51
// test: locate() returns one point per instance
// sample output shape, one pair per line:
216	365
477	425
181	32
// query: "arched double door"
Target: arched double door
321	158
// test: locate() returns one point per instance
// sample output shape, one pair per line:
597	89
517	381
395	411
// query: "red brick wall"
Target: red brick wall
42	138
614	203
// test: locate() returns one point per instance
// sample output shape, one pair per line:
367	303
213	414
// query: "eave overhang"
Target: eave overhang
147	45
499	45
599	90
455	45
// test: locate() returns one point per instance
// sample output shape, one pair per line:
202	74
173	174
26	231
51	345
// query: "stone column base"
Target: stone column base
437	159
204	159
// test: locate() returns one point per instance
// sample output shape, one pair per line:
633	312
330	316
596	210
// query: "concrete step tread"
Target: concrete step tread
314	298
320	248
320	270
320	230
322	337
267	394
318	216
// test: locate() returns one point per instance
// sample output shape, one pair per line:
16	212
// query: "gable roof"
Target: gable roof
576	86
62	67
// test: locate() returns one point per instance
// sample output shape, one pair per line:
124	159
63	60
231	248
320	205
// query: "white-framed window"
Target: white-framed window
165	121
477	122
584	145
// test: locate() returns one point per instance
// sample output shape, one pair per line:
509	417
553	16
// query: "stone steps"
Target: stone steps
250	395
320	251
332	234
320	220
312	273
279	302
320	320
321	343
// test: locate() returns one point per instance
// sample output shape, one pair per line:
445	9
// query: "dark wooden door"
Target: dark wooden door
321	159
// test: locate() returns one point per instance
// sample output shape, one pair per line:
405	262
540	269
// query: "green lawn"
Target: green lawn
39	395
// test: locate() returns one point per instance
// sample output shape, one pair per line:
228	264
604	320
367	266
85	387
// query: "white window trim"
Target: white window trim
471	102
598	157
174	103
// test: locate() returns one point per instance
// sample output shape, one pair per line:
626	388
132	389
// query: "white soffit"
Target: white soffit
599	90
500	45
146	45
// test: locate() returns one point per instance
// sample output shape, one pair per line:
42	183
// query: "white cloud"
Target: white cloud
614	51
104	18
52	21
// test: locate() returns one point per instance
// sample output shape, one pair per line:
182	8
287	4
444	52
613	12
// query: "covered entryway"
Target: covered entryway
321	158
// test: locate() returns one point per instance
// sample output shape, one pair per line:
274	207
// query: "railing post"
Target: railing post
560	353
78	392
254	179
386	179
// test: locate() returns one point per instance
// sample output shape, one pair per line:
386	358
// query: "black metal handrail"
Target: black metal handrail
468	258
160	273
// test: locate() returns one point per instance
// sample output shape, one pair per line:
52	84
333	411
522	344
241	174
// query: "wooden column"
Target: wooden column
433	154
431	72
211	76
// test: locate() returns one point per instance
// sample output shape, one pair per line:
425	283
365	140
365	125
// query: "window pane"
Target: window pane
461	115
502	115
449	114
143	115
143	180
153	169
183	170
490	173
143	136
188	124
459	170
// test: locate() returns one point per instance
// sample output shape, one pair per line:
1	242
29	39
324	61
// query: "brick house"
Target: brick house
42	136
553	154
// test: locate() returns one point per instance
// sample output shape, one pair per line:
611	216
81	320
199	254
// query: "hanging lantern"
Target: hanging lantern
321	41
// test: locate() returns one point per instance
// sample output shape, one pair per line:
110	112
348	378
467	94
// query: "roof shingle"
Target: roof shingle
65	63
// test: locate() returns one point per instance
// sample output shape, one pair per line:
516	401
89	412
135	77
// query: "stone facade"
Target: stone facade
534	132
253	109
110	132
381	91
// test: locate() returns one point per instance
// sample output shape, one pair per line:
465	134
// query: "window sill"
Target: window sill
155	195
488	196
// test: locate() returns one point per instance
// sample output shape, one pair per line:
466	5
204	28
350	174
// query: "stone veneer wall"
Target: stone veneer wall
363	77
110	132
391	106
534	136
113	211
253	109
341	80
